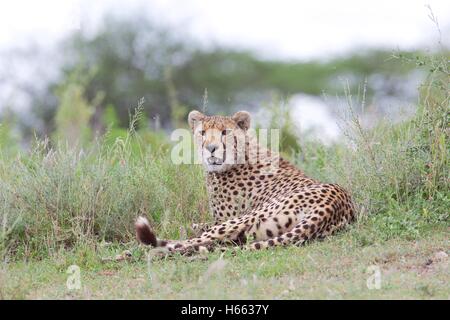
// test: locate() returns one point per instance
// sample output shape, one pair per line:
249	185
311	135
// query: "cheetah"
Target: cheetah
254	193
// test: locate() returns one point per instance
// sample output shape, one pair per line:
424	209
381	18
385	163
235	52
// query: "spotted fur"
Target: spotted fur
263	197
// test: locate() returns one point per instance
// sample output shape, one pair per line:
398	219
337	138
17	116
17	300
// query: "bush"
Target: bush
397	173
65	197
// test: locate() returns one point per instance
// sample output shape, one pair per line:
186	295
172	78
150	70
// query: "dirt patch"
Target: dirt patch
438	260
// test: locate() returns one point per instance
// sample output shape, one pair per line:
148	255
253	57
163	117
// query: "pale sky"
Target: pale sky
277	28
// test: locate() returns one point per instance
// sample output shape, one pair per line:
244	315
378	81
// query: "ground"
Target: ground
336	268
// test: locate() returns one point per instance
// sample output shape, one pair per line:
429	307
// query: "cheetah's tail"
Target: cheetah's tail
144	232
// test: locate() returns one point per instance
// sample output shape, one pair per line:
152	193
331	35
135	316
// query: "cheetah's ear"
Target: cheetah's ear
195	116
242	119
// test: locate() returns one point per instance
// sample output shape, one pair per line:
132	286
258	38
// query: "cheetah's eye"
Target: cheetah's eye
203	132
224	132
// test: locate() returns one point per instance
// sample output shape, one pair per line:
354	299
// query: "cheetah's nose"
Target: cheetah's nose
212	147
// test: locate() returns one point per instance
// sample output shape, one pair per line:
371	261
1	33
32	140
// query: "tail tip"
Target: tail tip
142	221
144	232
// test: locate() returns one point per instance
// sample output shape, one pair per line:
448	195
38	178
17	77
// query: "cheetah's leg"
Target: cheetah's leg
296	236
232	230
308	228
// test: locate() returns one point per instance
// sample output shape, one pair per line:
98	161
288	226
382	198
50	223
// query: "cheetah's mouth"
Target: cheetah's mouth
213	161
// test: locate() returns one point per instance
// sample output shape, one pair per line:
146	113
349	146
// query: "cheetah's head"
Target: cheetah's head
219	138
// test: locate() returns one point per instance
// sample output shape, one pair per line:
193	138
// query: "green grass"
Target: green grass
60	199
336	268
62	206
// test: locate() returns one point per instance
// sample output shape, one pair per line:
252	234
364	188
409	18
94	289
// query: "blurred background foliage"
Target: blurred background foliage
102	76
